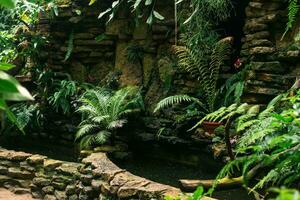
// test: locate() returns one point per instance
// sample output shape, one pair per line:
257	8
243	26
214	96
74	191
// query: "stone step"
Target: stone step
273	66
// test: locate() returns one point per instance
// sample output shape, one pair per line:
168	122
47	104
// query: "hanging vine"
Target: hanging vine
142	9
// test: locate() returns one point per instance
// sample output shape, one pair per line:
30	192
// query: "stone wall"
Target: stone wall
97	61
271	60
93	178
100	50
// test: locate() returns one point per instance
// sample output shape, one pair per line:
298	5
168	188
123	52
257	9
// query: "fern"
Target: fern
270	141
104	113
293	10
177	99
28	117
224	113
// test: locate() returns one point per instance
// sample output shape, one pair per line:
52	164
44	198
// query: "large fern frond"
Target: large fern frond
176	99
85	130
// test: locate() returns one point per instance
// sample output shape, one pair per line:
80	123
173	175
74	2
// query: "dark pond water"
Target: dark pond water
52	149
168	164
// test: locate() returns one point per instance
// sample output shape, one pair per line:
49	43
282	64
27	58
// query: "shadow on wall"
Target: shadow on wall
234	25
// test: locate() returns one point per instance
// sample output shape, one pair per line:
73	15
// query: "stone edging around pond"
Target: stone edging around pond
95	177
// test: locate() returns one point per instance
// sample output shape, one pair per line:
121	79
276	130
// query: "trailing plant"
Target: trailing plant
141	9
104	112
293	11
70	46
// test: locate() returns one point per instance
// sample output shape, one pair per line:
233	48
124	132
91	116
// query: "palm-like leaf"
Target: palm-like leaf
176	99
103	112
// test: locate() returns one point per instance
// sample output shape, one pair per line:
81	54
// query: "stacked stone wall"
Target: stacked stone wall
95	177
269	58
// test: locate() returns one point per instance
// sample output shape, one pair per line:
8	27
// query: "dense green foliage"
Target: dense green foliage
10	89
270	141
104	112
62	97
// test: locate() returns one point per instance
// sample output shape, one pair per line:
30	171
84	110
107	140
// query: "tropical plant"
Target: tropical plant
233	88
104	113
270	144
206	74
63	95
225	113
28	117
203	54
11	90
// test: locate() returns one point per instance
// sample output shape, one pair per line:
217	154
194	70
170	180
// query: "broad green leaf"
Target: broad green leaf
150	19
92	2
192	15
111	16
148	2
10	115
5	66
78	12
179	1
104	13
7	83
10	89
101	37
115	3
158	16
7	3
136	4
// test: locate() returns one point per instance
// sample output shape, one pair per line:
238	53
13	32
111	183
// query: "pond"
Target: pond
52	149
167	164
162	163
